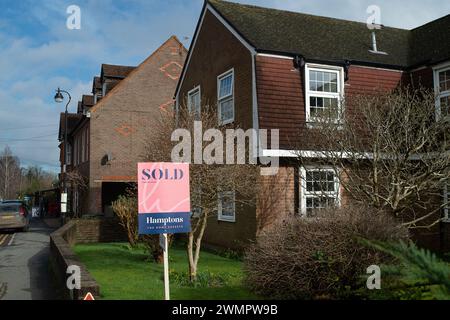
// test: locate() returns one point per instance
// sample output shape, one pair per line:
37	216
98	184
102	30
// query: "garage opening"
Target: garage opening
111	192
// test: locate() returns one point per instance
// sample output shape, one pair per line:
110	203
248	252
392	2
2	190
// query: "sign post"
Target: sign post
164	204
166	267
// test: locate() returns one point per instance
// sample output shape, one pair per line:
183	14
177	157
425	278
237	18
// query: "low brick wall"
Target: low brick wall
99	230
62	256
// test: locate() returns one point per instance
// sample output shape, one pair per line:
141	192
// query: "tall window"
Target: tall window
225	97
319	189
194	102
69	154
226	206
442	84
323	93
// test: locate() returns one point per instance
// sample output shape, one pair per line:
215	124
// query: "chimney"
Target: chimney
374	48
374	42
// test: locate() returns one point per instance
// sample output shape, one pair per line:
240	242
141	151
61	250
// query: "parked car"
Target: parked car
14	215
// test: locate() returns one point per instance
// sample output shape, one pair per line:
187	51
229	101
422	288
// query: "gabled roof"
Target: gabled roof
329	39
116	71
72	121
87	100
430	43
117	85
96	84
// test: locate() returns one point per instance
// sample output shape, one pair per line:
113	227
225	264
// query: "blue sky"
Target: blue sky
38	53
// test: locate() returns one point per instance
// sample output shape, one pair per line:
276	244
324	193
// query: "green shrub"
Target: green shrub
418	275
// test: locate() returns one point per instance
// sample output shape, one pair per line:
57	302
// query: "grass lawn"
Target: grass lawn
125	273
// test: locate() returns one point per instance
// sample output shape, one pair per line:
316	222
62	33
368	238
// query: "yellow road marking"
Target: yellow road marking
3	238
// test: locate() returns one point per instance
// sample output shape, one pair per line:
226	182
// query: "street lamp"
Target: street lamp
59	98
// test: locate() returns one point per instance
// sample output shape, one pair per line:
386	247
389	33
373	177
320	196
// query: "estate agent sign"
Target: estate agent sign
164	198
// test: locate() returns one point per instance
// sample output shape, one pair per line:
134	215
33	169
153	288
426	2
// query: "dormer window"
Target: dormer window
104	89
324	92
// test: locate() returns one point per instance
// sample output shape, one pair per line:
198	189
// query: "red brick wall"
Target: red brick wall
276	200
216	52
281	99
122	121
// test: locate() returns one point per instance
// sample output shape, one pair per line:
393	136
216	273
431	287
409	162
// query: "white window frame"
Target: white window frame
305	194
439	95
339	71
196	90
220	99
447	206
220	216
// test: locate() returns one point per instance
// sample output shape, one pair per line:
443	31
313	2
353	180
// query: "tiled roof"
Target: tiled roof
96	84
72	121
88	101
329	39
116	71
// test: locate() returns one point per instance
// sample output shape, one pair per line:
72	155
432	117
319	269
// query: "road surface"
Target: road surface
24	270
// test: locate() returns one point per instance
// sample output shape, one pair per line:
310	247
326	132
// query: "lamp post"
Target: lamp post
59	98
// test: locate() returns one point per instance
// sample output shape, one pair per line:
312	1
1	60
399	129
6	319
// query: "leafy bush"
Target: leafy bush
321	257
126	209
418	275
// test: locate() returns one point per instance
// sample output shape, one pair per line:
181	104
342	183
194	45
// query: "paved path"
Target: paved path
24	270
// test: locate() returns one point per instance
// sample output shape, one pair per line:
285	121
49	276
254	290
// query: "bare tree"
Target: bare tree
389	150
208	180
10	174
36	179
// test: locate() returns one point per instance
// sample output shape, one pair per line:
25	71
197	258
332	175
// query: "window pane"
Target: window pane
320	181
194	103
444	81
322	81
226	110
318	105
226	86
320	202
320	76
227	204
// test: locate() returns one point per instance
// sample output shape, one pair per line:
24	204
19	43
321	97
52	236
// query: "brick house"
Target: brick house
273	69
108	139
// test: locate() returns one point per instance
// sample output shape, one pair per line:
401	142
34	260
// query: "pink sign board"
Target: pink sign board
163	198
